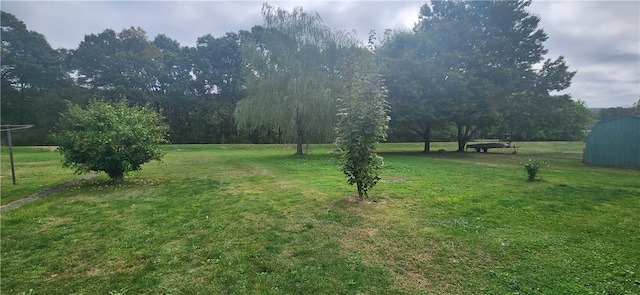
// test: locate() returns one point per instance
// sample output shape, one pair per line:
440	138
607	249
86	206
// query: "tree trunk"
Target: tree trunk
116	177
464	134
461	141
299	135
426	135
299	147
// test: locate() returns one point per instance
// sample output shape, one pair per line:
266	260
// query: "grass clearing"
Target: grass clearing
254	219
36	169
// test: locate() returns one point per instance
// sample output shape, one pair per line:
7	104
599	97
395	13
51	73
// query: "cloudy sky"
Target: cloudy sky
599	39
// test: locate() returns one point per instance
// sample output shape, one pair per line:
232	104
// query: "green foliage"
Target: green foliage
415	93
114	138
109	59
533	167
462	68
291	78
612	113
33	78
539	116
197	88
218	80
362	124
28	61
464	62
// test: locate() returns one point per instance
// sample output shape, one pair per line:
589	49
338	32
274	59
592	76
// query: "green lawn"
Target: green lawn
254	219
36	169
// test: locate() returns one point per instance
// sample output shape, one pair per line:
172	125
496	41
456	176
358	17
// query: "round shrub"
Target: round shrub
113	138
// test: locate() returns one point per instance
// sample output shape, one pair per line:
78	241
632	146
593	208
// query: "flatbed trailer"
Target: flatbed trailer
484	147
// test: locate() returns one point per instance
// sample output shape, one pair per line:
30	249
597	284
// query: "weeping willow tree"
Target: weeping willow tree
292	76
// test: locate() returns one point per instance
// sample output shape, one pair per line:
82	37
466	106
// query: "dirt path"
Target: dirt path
43	194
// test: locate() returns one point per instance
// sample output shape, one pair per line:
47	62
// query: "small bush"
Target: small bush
533	167
114	138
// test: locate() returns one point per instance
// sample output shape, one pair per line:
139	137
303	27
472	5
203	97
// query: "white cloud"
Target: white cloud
601	40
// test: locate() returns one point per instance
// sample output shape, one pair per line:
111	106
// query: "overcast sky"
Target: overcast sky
599	39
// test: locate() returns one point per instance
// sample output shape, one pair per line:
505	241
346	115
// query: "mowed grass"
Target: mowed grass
36	169
254	219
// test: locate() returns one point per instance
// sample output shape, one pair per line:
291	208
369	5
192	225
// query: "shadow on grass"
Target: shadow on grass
444	155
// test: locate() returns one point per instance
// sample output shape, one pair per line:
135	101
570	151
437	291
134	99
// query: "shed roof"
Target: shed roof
602	122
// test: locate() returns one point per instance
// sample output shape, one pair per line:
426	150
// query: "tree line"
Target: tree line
287	73
467	70
611	113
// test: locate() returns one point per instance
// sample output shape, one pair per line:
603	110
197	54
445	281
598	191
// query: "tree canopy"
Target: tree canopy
291	70
467	70
33	80
126	59
415	90
464	62
610	113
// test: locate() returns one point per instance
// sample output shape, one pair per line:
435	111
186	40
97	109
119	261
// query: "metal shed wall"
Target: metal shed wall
614	142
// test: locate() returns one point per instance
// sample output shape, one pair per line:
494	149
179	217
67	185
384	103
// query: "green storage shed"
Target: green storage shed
614	142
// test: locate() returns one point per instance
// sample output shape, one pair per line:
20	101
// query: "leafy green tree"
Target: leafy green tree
111	59
568	118
362	124
119	64
28	61
176	94
114	138
33	80
485	52
217	65
610	113
536	114
291	76
197	88
543	117
177	64
415	92
201	87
